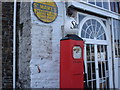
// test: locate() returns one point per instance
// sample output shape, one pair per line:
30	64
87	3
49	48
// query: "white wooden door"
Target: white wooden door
96	66
96	49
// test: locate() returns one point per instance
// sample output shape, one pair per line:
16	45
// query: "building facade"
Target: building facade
39	28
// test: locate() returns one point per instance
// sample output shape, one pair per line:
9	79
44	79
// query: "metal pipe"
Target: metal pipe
14	45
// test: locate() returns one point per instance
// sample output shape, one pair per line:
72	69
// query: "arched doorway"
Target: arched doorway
94	32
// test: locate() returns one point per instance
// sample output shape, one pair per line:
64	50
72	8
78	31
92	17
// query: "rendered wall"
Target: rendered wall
45	41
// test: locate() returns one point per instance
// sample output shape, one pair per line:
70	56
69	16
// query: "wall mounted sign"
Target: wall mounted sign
46	10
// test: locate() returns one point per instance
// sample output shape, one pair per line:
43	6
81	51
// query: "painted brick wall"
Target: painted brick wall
7	41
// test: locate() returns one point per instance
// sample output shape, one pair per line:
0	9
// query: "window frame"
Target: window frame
105	42
114	32
108	8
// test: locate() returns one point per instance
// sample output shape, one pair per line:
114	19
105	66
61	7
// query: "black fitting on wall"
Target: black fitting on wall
70	11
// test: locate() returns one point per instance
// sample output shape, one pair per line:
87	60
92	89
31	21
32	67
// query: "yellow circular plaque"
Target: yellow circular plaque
45	10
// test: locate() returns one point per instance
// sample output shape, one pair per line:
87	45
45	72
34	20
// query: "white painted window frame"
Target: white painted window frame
93	8
116	60
109	8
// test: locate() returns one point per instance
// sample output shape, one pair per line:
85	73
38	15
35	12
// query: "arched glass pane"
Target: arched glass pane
83	34
87	35
98	27
93	21
91	35
100	34
93	29
88	22
88	31
84	27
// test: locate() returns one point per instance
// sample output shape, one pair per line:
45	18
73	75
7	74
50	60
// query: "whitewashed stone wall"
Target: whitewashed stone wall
45	43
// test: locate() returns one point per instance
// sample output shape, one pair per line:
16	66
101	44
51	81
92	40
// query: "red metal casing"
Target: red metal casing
71	70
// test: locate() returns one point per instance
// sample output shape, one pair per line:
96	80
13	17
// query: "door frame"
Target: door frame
103	42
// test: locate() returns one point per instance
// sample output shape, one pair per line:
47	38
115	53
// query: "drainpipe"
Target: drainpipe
14	45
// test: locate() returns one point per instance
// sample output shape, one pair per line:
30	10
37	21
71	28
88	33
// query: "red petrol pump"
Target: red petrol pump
71	62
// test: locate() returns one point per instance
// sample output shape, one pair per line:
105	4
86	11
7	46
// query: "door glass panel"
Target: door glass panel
91	72
105	49
102	65
106	65
92	53
89	84
88	52
107	83
94	84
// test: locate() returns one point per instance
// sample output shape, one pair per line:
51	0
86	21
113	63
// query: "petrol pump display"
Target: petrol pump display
77	52
71	62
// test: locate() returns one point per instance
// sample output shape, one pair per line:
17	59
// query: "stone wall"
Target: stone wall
7	44
24	46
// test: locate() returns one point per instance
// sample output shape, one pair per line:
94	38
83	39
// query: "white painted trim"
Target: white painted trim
96	68
91	41
109	47
85	62
14	45
115	59
109	6
95	9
